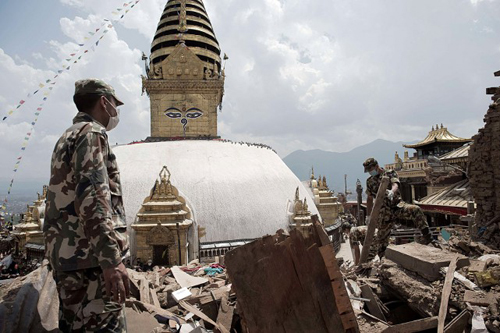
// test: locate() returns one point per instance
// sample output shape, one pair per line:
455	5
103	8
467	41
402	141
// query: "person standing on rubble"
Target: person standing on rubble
85	229
392	208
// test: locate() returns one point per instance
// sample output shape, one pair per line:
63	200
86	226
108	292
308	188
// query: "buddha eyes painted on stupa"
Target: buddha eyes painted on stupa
183	115
191	113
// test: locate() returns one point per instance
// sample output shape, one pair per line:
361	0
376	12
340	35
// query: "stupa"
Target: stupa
236	191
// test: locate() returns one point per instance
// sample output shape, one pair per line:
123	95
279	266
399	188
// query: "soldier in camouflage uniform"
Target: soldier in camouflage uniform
393	206
357	237
85	228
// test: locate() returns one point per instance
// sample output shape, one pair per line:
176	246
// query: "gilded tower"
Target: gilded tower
185	78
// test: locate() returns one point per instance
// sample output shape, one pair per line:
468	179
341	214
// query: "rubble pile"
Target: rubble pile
192	298
406	290
484	175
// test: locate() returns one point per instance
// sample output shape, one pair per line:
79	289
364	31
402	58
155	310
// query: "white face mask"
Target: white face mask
113	120
373	173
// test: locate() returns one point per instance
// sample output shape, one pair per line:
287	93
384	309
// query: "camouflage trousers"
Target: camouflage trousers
387	217
84	306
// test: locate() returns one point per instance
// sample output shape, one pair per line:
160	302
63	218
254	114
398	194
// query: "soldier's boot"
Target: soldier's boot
426	238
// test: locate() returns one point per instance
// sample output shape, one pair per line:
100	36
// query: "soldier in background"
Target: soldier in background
392	208
357	237
85	228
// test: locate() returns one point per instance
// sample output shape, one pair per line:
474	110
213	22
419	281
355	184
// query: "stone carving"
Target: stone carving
160	236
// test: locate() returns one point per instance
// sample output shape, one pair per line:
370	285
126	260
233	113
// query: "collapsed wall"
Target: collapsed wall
483	171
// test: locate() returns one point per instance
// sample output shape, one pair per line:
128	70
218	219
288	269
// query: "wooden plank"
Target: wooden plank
154	298
413	326
379	200
445	295
459	323
144	290
284	286
342	300
373	306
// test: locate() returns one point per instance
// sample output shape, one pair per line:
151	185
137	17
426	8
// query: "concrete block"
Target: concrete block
423	260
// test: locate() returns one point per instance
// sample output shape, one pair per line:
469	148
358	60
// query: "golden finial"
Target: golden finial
163	174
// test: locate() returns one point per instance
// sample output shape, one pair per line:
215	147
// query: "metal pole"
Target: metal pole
359	190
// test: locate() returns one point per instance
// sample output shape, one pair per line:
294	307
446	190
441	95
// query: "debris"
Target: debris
462	279
420	293
424	260
180	294
478	325
414	326
373	305
488	278
290	285
479	298
458	323
477	266
185	280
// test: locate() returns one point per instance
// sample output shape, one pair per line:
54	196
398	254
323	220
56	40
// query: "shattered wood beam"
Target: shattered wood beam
413	326
445	296
379	200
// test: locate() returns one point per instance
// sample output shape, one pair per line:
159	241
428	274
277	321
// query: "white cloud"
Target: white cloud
301	74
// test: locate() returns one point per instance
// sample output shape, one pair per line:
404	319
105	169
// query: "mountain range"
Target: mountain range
334	166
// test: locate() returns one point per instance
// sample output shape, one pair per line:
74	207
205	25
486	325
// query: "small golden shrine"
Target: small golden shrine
327	203
301	215
162	225
28	233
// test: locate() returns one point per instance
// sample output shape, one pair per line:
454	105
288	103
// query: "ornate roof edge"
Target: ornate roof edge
440	134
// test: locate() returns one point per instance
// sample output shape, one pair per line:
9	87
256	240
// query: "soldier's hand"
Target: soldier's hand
117	283
390	194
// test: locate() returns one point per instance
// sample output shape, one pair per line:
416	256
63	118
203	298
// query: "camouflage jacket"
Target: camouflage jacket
84	217
373	182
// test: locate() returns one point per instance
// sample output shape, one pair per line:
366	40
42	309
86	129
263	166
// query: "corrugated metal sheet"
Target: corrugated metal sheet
455	195
462	152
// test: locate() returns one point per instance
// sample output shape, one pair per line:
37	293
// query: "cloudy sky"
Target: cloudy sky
316	74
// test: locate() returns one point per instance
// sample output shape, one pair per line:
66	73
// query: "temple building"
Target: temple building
28	234
163	224
435	177
234	191
438	142
420	175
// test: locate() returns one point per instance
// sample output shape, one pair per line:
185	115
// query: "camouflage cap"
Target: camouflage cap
370	163
95	86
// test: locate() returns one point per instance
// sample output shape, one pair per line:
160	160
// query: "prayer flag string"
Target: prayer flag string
49	85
